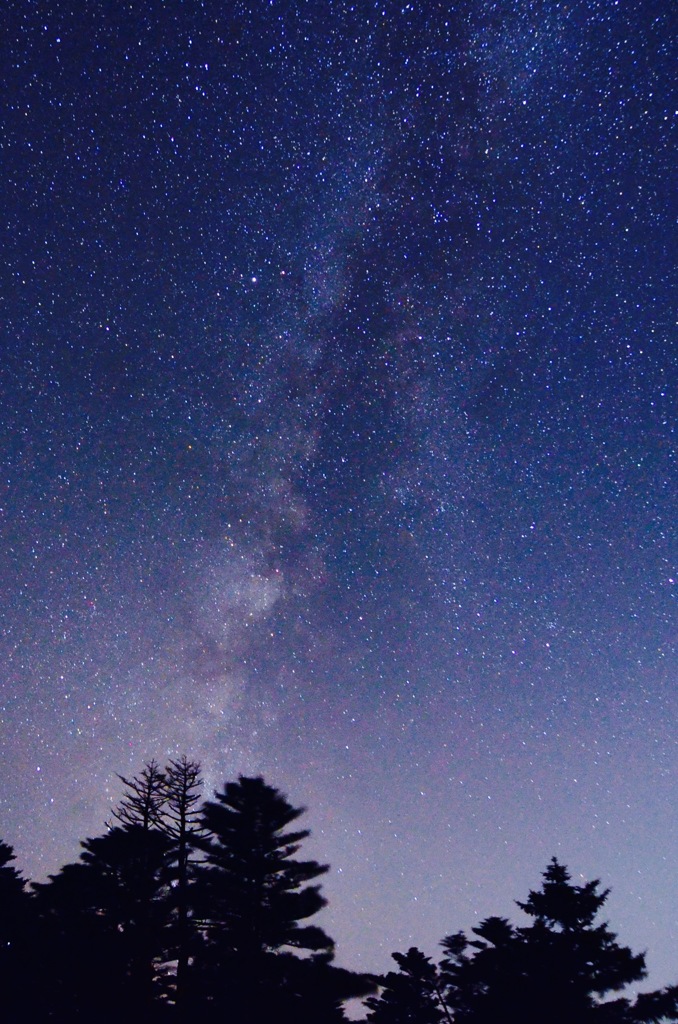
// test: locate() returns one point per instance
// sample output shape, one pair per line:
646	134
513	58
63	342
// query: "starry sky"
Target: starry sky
338	442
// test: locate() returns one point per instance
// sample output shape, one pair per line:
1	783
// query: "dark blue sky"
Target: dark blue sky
339	439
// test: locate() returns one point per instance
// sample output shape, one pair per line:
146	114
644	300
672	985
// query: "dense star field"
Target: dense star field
337	439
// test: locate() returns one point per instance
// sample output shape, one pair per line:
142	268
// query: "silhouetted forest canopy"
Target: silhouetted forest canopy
202	910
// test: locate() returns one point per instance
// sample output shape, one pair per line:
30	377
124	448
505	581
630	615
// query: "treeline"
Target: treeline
198	910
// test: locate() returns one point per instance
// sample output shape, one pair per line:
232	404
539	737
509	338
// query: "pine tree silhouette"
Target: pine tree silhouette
262	961
562	968
181	822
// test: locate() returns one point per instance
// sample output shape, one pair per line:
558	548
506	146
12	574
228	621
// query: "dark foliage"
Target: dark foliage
412	996
559	968
103	927
185	911
16	931
255	898
181	822
562	968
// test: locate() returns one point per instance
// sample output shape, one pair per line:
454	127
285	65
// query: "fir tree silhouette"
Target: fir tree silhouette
563	967
262	961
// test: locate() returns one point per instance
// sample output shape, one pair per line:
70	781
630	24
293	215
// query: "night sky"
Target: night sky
338	442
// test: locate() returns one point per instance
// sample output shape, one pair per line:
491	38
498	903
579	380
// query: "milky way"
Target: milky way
338	442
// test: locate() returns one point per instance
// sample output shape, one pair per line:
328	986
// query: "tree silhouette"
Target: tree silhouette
480	986
17	928
107	930
144	797
254	897
412	996
560	968
103	920
181	822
